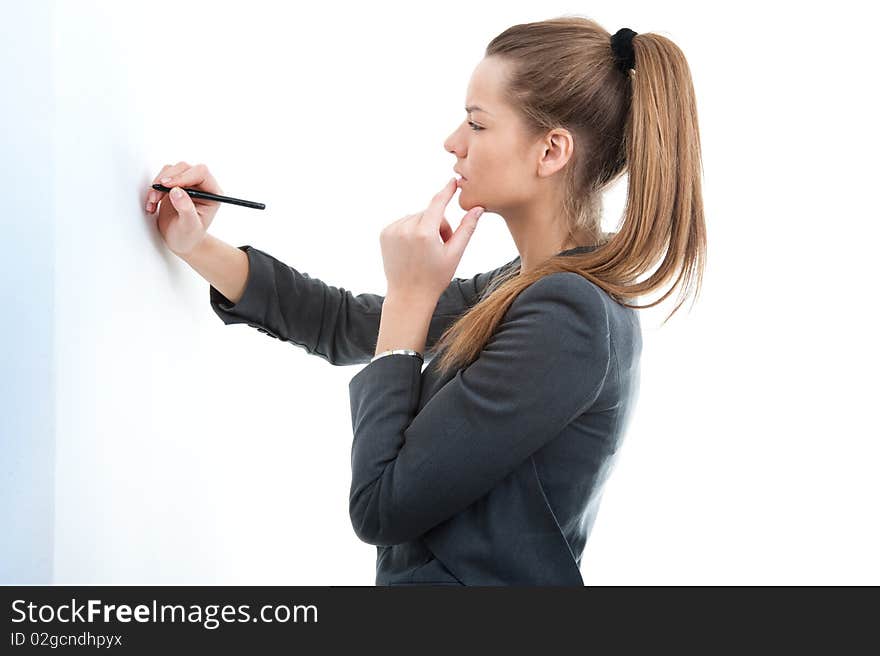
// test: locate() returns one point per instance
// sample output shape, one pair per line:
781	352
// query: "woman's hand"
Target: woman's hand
418	265
183	221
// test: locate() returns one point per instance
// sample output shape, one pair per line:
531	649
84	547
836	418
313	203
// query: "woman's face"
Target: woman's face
495	157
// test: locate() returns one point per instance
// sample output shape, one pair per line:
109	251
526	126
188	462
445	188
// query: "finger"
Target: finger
197	176
434	213
170	170
183	203
400	221
154	196
464	232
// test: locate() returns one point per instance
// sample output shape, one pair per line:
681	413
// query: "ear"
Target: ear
556	150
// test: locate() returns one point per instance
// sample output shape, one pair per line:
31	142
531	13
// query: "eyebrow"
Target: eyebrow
475	108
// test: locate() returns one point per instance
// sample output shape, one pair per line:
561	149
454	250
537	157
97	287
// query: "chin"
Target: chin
467	204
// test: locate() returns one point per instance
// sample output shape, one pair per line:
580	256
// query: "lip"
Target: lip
462	177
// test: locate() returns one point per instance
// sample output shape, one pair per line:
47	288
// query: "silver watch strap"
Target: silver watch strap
402	351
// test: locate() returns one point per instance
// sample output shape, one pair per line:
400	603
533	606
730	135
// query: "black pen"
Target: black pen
195	193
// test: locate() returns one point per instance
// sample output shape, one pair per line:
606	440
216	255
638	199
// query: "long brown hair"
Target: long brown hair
643	122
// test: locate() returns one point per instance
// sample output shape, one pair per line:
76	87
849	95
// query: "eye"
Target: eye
474	126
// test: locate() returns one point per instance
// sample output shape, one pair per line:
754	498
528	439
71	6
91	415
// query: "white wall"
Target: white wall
27	225
143	441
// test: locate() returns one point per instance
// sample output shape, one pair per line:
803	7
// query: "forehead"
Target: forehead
484	90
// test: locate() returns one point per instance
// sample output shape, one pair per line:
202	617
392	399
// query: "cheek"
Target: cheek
498	168
498	172
510	177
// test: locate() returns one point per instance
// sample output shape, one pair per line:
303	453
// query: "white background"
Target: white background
158	445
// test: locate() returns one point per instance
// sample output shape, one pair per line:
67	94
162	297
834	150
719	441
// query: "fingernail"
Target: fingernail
164	180
177	192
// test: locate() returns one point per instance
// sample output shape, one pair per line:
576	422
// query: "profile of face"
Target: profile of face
500	164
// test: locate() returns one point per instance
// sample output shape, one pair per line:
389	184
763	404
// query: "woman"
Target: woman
487	467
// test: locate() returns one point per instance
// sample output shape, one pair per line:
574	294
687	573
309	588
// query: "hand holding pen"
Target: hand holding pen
195	198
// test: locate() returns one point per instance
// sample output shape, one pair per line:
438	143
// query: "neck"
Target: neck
539	233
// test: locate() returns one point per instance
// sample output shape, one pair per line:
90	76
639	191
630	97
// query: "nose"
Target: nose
447	145
451	145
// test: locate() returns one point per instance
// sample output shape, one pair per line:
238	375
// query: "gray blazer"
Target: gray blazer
493	474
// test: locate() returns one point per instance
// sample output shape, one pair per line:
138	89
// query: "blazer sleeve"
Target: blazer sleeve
544	365
329	321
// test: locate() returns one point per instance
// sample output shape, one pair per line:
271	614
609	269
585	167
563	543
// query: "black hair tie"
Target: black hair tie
621	46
